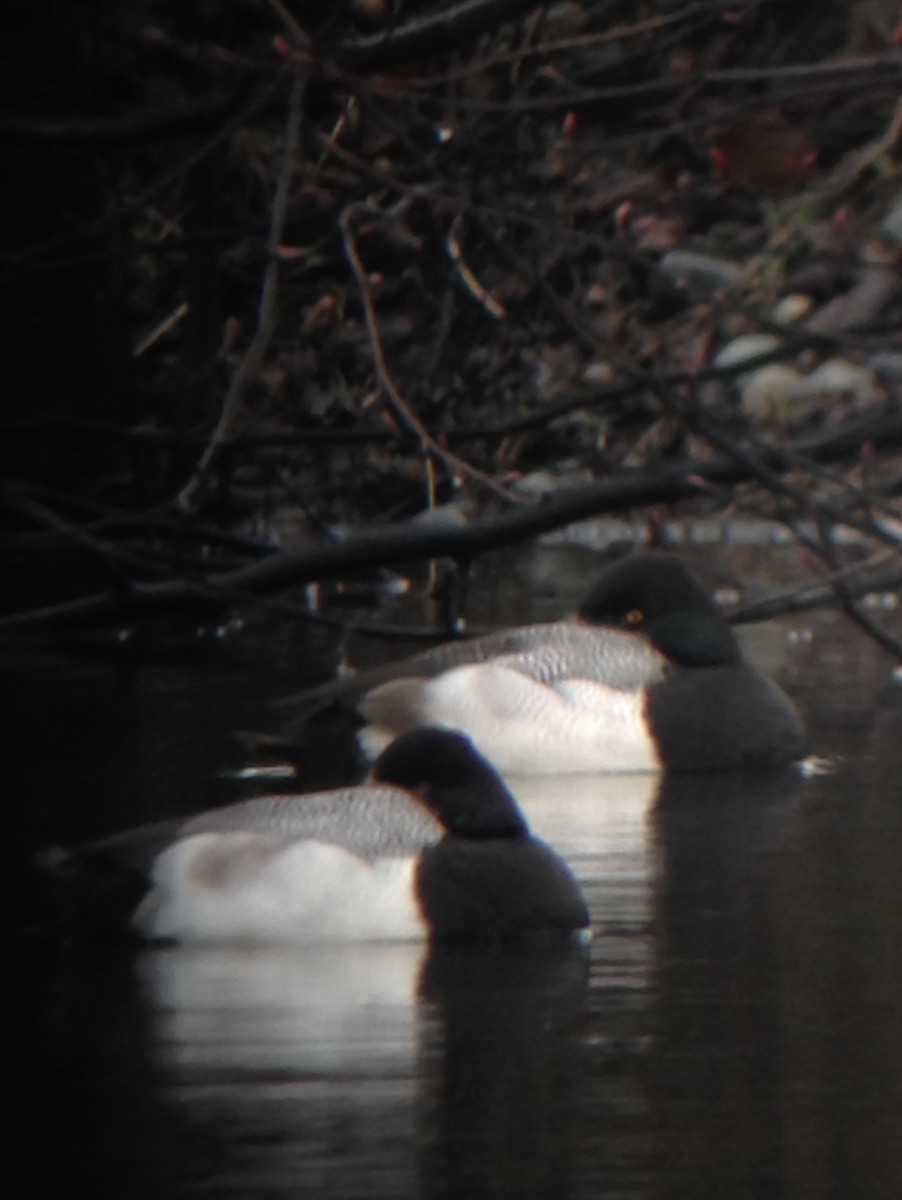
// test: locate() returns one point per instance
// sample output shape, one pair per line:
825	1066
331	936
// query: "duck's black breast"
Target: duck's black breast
497	888
723	718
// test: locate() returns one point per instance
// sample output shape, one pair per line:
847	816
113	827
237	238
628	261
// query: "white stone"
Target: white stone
746	346
792	308
766	393
835	377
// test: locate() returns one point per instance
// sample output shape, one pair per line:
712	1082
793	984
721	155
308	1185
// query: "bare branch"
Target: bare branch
435	32
880	573
399	406
266	316
410	541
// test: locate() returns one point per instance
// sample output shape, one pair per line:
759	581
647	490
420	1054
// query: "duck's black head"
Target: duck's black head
454	781
655	596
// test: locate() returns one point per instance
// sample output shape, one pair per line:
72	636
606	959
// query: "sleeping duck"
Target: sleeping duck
647	675
432	845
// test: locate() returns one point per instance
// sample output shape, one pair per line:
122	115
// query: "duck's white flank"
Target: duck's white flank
522	725
214	887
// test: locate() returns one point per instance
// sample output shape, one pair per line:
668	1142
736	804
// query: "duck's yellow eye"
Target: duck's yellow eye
635	616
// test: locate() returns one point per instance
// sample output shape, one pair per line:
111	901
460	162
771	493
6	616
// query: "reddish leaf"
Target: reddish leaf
765	153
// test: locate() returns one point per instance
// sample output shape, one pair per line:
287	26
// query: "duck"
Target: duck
432	845
647	675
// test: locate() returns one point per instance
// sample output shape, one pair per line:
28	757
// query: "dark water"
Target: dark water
733	1030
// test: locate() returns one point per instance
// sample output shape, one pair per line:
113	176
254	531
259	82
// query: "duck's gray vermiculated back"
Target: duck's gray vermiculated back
572	651
372	821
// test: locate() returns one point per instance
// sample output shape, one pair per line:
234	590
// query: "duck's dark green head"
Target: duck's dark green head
454	781
655	596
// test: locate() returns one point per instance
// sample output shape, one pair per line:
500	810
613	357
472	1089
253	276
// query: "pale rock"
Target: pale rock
746	346
891	225
767	392
598	373
792	308
886	365
702	275
836	377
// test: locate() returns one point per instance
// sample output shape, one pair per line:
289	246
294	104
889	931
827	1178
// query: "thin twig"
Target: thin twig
266	314
32	256
468	277
876	68
300	35
576	44
823	547
882	572
427	34
399	407
115	560
825	515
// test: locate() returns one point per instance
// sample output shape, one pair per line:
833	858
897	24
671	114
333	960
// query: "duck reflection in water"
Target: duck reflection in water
451	1070
387	1070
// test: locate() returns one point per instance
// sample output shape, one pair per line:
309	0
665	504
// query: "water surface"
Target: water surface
733	1030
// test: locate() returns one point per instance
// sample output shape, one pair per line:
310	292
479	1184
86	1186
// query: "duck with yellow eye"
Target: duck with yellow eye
646	676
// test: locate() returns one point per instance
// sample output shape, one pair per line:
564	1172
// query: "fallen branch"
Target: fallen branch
881	431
